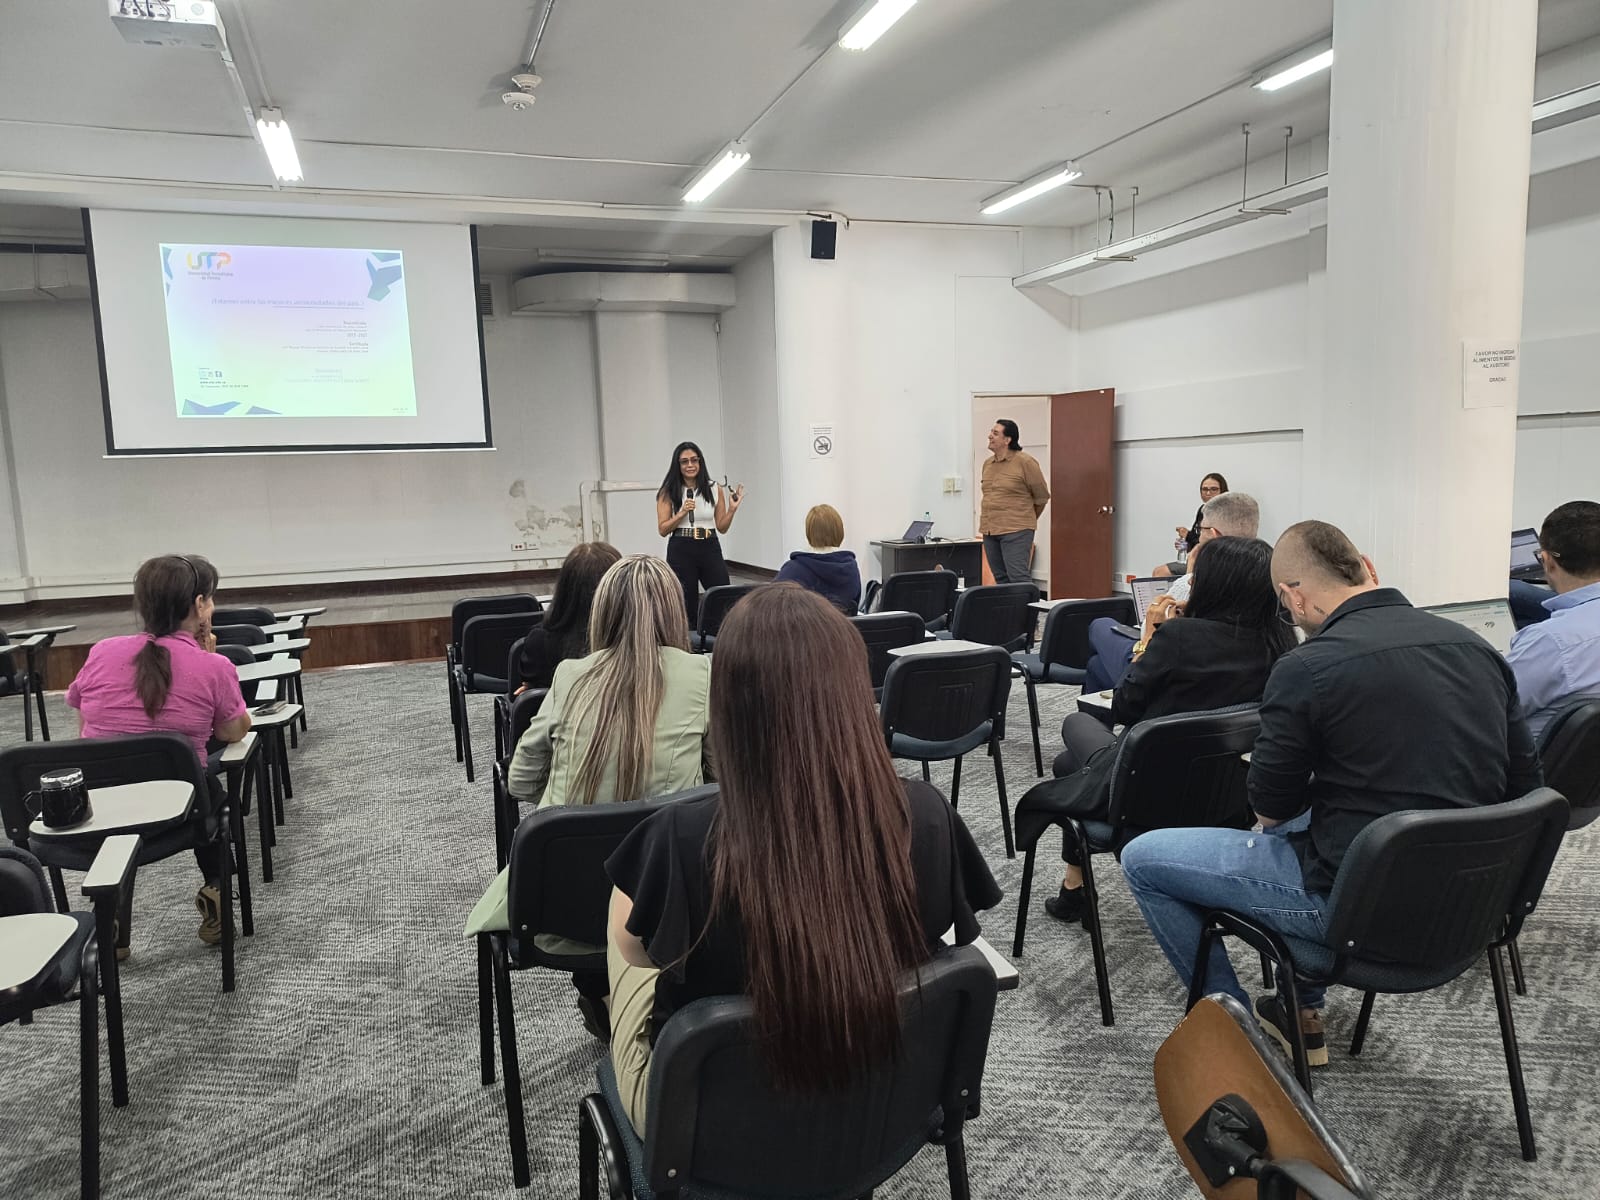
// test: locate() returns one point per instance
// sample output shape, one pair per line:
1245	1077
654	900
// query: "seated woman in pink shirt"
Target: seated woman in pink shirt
168	679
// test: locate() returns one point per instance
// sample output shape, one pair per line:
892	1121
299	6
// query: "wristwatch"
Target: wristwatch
1139	647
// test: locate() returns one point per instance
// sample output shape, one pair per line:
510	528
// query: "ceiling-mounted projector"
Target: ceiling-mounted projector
192	24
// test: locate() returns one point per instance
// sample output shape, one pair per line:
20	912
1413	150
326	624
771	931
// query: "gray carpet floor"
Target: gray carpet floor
345	1065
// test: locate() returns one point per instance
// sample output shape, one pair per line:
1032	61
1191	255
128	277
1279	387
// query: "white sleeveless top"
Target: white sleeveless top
705	511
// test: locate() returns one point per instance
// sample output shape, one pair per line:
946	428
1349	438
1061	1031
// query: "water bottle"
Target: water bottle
1181	545
928	517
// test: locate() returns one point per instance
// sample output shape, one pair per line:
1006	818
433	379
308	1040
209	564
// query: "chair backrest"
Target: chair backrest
1570	750
463	611
1066	629
1432	888
886	631
523	709
105	762
1185	770
944	697
716	603
708	1077
995	615
22	884
236	652
243	614
558	882
239	635
929	594
486	640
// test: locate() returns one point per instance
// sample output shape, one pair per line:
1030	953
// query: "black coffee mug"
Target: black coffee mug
62	800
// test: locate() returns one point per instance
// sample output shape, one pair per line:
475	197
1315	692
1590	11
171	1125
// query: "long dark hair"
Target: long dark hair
566	624
165	591
672	486
806	826
1233	584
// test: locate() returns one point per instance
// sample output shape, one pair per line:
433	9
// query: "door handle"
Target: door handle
1107	510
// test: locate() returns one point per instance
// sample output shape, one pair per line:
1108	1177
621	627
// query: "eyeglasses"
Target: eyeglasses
1208	529
1212	489
1285	613
688	462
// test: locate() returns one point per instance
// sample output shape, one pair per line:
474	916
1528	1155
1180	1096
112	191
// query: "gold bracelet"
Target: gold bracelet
1139	648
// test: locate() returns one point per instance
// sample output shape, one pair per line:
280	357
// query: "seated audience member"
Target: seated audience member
825	569
1215	651
1212	486
169	679
1232	514
810	883
1386	708
1558	660
564	632
626	722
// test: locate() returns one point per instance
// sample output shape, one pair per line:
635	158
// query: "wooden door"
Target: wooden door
1083	488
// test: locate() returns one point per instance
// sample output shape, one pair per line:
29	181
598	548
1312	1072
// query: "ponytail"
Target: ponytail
152	677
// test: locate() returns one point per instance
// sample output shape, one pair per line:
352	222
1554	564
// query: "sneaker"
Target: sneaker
209	901
1069	905
1269	1011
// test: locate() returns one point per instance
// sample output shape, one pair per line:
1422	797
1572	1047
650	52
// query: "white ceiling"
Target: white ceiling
397	102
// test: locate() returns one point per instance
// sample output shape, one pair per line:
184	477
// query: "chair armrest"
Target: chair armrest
48	631
238	752
30	642
113	866
313	610
286	646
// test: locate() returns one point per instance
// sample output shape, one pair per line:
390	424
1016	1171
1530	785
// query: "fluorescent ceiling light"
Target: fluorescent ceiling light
279	144
1029	188
733	156
1296	67
603	258
872	22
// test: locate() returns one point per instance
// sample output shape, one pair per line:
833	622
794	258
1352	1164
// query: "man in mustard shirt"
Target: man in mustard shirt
1014	494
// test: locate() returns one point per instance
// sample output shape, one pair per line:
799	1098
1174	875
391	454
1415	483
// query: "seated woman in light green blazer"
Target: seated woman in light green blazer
627	722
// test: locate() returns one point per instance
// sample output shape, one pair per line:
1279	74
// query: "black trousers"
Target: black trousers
697	564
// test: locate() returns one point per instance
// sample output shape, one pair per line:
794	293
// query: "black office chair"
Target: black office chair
22	673
942	706
1234	1112
241	614
998	614
1064	651
929	594
232	638
883	632
486	643
72	954
1569	749
461	612
714	608
717	1126
1419	898
558	886
519	715
106	762
1178	771
502	700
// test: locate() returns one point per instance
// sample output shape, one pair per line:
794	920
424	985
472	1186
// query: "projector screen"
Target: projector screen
238	334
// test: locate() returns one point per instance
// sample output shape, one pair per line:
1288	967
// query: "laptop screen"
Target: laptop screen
1146	590
918	531
1523	544
1489	619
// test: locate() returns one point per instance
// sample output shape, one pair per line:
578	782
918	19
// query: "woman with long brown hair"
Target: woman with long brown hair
811	883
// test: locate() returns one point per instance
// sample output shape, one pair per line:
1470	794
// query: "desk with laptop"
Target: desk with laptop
918	550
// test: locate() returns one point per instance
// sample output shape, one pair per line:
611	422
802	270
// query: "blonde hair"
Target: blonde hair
824	526
638	609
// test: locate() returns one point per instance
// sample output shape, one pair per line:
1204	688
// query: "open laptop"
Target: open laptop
1524	557
1145	591
918	531
1489	619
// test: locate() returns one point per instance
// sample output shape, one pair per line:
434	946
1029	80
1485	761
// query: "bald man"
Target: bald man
1384	708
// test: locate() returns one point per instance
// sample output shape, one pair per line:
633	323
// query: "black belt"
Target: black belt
697	532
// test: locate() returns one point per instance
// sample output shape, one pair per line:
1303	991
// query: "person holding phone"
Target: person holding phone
691	512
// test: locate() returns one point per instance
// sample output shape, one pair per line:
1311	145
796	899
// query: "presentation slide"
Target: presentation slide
288	331
229	334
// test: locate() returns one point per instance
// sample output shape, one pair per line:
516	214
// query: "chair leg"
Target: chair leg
1024	898
27	705
1289	997
955	1163
1359	1038
1005	806
111	989
225	894
247	915
59	887
44	719
1514	952
1033	717
1508	1038
508	1061
502	849
1266	972
455	708
955	782
279	756
264	812
283	767
1097	944
588	1155
485	1010
89	1070
927	777
300	698
466	737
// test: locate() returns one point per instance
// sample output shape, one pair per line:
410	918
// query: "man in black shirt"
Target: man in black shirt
1385	708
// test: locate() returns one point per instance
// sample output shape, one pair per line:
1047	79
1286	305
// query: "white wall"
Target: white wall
748	353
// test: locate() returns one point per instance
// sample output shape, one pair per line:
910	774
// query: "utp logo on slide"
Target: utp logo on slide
208	260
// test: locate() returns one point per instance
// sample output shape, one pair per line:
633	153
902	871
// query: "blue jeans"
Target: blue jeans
1110	656
1527	602
1177	874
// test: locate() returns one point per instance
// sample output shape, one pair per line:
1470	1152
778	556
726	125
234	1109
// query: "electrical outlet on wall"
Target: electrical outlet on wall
519	547
952	485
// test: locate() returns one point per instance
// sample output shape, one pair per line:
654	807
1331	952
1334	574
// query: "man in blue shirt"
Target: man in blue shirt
1558	660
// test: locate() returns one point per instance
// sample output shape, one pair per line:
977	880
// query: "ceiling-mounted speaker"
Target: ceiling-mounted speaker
824	236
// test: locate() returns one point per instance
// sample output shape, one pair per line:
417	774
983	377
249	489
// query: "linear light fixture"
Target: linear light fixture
1029	188
1299	65
733	156
279	144
872	22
